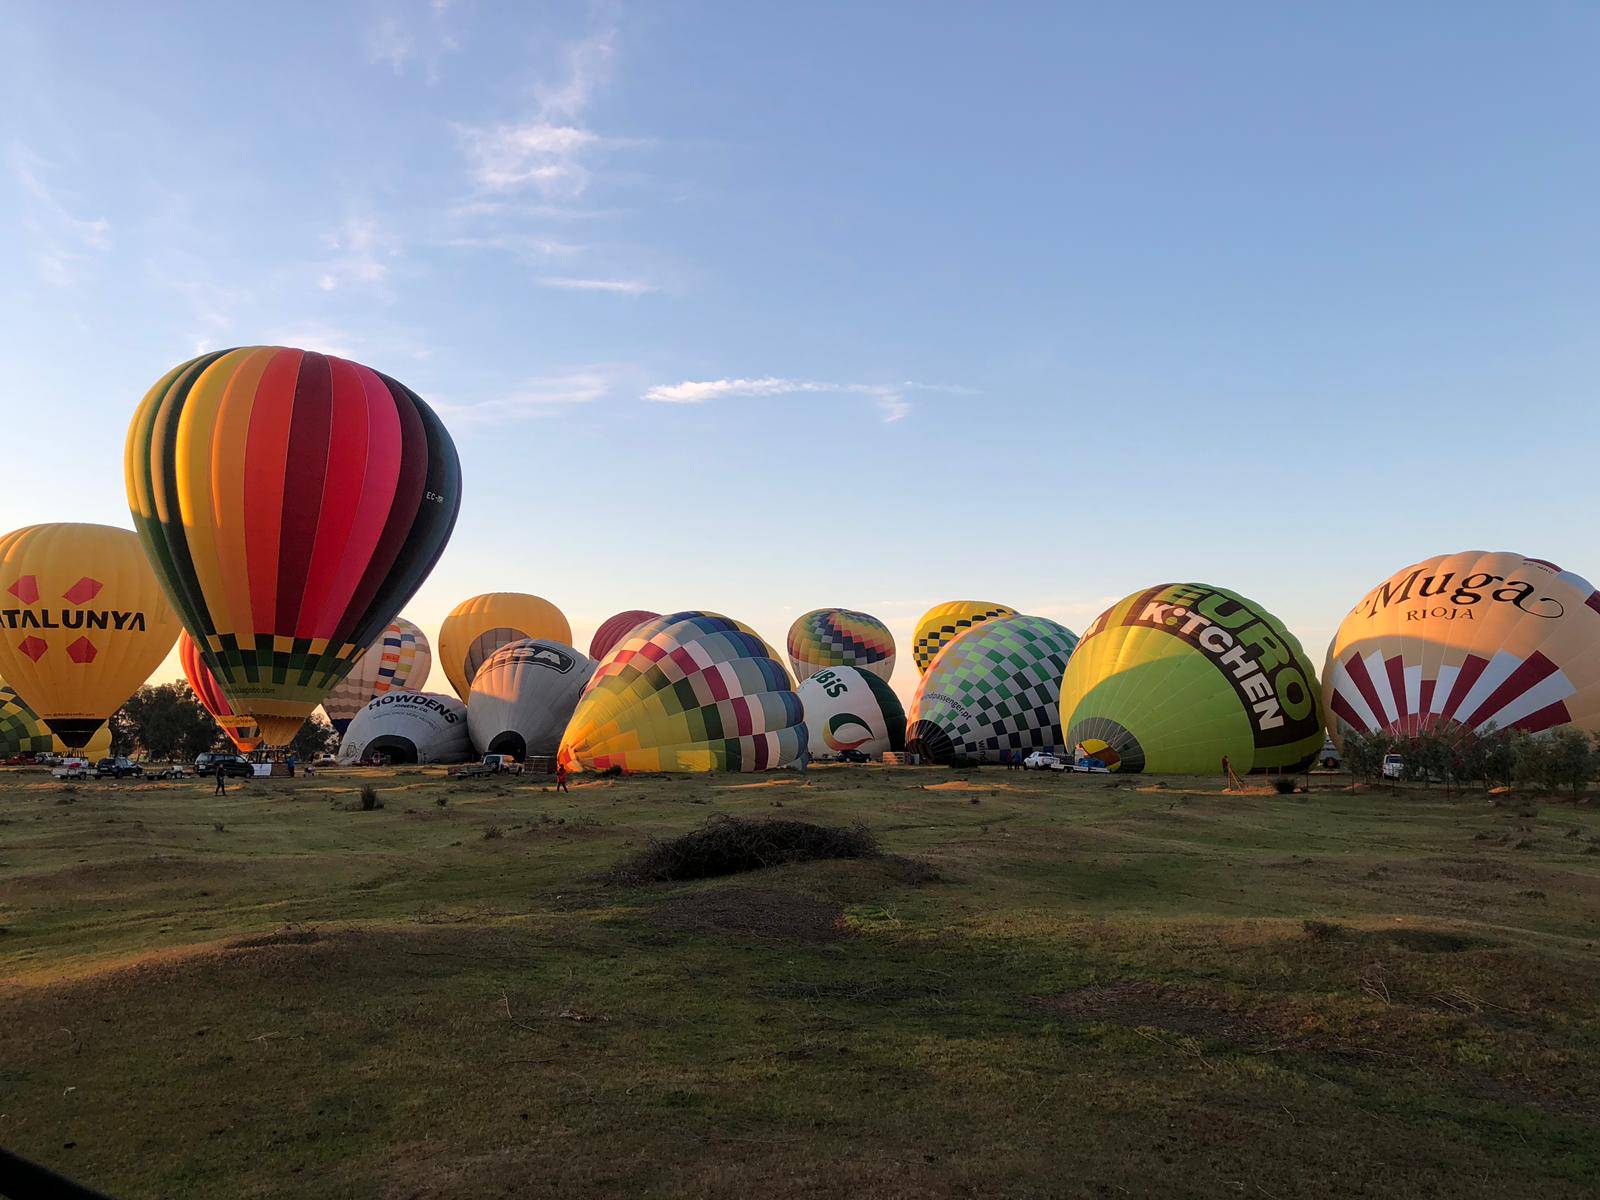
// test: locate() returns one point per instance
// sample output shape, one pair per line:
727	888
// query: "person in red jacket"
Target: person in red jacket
561	777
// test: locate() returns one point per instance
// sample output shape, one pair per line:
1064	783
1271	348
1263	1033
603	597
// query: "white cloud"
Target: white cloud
64	244
546	157
589	65
890	398
361	248
389	42
310	335
546	396
624	287
403	34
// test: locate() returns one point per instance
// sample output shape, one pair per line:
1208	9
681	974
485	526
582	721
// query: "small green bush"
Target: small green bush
370	798
1283	784
729	845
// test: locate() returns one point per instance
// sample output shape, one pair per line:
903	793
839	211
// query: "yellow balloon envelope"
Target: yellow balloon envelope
476	628
83	622
945	621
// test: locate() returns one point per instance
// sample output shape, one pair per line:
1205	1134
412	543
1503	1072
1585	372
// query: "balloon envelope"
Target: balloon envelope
1174	677
398	661
1472	639
241	730
849	708
945	621
291	503
613	629
840	637
691	691
524	695
477	627
83	622
408	727
993	691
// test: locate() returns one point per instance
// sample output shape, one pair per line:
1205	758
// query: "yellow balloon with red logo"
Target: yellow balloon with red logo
83	622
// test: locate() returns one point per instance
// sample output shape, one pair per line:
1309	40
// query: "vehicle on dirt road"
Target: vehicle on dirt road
1044	760
72	768
1394	767
117	768
233	765
492	764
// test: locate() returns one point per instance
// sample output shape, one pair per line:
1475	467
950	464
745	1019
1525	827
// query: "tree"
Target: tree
316	737
1364	751
1498	755
166	722
1561	758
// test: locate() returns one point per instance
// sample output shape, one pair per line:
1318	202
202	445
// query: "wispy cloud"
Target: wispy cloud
360	252
538	154
624	287
402	34
64	243
546	396
890	398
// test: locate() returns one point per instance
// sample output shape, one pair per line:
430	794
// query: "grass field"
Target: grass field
1054	986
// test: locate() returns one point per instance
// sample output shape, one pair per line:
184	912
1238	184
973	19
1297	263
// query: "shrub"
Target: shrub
1283	784
370	798
729	845
493	832
1321	931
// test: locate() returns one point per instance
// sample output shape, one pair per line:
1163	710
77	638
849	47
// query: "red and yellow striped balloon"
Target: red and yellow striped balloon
290	502
241	731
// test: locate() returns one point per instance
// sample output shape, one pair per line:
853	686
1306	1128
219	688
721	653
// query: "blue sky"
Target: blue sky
759	307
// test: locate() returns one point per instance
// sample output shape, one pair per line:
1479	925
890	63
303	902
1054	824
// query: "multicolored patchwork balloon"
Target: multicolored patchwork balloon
1174	677
479	626
83	622
398	661
242	731
22	732
291	502
992	692
613	629
691	691
840	637
1472	639
945	621
849	708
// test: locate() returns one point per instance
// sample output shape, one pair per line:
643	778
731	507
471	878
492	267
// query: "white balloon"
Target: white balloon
409	727
523	696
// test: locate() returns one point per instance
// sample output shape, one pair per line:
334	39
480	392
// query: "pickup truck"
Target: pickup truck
492	764
1043	760
72	768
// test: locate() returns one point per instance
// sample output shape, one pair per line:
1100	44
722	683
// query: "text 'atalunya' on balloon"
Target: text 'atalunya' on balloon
1471	640
840	637
291	502
690	691
992	692
943	622
83	622
613	629
408	727
524	695
241	730
850	708
398	661
1174	677
479	626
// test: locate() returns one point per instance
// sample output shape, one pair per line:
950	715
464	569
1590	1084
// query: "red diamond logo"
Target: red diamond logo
25	589
83	591
33	647
82	651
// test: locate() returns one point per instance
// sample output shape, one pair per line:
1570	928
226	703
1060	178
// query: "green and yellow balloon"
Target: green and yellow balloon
1177	676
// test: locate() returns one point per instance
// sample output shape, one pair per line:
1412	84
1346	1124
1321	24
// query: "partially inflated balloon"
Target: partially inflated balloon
613	629
992	692
840	637
692	691
83	622
1472	639
476	628
291	503
943	622
1175	677
408	727
22	732
241	731
523	697
399	660
848	708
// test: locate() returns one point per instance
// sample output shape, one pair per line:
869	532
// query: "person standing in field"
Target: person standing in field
222	782
561	777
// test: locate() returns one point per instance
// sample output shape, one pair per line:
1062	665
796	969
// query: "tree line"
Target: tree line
166	722
1558	760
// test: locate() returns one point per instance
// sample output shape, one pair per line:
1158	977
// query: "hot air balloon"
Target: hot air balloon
408	727
840	637
691	691
22	732
83	622
291	503
399	660
992	692
524	695
613	629
241	731
1468	640
851	708
476	628
1174	677
945	621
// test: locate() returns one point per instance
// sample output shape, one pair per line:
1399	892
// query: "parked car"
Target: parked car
117	768
1044	760
1330	756
1394	767
855	756
72	768
233	765
492	764
16	760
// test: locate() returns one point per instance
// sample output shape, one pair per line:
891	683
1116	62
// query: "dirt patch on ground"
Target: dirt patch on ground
283	937
1143	1004
757	914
